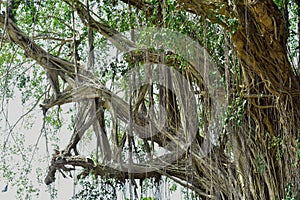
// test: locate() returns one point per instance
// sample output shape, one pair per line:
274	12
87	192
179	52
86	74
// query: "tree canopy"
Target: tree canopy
202	94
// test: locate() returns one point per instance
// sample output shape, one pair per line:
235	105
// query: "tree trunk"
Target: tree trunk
265	156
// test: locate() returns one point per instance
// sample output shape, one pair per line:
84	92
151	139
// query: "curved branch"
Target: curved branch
46	60
102	27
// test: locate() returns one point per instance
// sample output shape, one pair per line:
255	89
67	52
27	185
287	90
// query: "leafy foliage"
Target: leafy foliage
96	188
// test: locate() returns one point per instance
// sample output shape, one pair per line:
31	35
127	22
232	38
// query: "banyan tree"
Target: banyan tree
203	93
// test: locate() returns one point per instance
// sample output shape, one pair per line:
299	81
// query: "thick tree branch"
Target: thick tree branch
118	172
63	163
260	25
121	43
34	51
